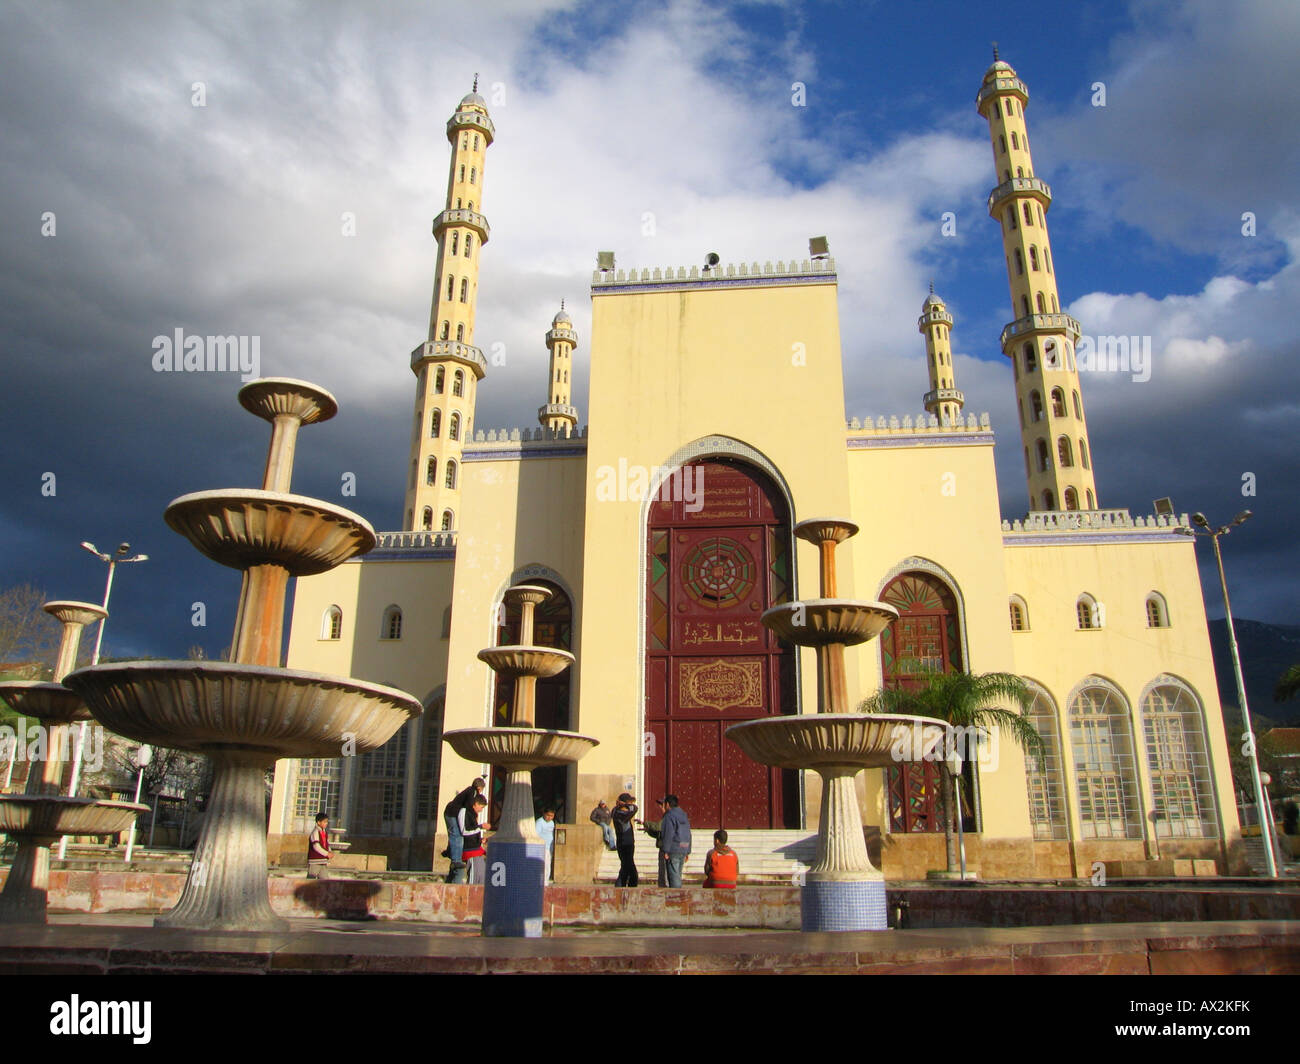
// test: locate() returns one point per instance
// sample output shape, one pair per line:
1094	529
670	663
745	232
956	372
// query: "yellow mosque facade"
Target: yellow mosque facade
664	528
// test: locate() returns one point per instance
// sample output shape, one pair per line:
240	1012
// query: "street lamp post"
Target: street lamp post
1265	814
140	759
118	557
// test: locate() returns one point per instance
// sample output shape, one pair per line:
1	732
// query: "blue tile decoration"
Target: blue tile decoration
514	891
838	905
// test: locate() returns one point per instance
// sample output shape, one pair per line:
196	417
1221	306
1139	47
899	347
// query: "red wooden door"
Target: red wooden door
715	564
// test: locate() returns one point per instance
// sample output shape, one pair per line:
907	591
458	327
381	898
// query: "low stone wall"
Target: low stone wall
774	908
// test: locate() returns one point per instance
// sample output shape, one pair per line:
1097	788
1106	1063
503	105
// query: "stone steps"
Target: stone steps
765	855
1257	859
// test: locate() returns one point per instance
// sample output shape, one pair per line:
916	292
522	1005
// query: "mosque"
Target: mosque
663	529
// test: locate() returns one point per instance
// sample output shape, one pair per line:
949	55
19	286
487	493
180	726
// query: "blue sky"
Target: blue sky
225	219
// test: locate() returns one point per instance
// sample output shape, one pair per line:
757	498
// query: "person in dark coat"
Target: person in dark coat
624	817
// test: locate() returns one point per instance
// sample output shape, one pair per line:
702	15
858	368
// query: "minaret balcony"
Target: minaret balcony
561	335
1041	323
452	351
999	87
470	120
1033	187
562	410
468	219
942	395
933	317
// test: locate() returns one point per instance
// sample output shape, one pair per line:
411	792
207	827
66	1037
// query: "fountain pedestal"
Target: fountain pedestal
514	891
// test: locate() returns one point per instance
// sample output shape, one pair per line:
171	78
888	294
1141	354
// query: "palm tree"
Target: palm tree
1289	685
967	701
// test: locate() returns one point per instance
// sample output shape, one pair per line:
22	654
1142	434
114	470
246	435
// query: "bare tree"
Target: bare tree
27	632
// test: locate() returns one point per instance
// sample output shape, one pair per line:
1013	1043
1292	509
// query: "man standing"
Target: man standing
451	817
625	838
674	841
318	849
546	831
653	829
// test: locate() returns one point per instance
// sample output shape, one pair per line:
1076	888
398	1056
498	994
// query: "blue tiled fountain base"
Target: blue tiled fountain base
844	906
513	892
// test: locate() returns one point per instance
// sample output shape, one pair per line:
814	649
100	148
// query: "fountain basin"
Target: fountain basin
526	660
272	397
52	815
50	703
826	529
519	747
79	613
207	706
826	621
839	740
244	527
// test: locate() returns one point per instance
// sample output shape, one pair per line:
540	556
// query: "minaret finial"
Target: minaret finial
931	288
561	304
995	51
995	48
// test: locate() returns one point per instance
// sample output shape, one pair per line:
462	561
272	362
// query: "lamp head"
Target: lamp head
1199	519
1242	517
124	548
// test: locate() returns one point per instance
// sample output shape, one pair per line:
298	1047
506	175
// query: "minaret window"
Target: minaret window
471	205
455	241
451	474
1047	258
1006	175
458	383
1058	402
446	520
453	428
431	472
1066	454
1083	453
1071	499
446	329
1011	217
1020	172
438	379
1078	411
451	287
464	289
460	333
1033	257
1020	261
1092	503
462	172
1044	459
1029	215
1040	216
1055	308
457	203
427	519
464	142
391	626
435	425
473	175
1002	143
1049	500
1036	405
1031	359
332	623
1024	306
1015	142
469	243
476	142
1042	303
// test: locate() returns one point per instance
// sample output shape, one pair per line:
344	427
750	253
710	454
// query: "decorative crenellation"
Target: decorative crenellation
923	423
823	269
1083	520
537	435
415	541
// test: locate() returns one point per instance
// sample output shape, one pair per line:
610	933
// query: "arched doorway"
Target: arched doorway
718	556
925	638
552	627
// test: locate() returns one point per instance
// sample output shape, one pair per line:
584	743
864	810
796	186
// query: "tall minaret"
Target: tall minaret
1040	341
943	400
557	414
448	366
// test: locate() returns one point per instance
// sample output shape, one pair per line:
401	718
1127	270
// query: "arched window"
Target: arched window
1047	258
1058	402
460	333
469	243
1157	613
1042	304
1024	306
464	289
1064	452
458	383
431	472
1103	762
1055	309
1019	614
1083	453
1031	359
438	379
446	330
1029	215
1020	260
435	422
1044	457
1036	405
391	626
1071	499
426	521
453	428
471	204
1002	143
476	142
451	473
1181	791
455	241
1087	613
451	287
1049	500
1033	257
462	173
1043	777
1092	503
473	175
1078	406
1040	206
1015	141
331	624
446	520
1020	171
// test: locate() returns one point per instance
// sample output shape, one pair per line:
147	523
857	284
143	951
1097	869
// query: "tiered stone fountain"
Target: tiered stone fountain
843	890
247	714
515	887
43	815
